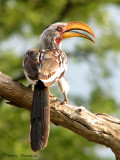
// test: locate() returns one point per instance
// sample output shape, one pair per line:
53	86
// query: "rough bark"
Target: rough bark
99	128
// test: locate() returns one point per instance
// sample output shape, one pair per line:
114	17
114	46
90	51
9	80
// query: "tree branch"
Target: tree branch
99	128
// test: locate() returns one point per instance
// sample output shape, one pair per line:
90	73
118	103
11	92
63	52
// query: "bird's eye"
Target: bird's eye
59	29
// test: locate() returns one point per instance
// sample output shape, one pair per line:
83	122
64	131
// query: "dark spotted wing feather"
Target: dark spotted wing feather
45	65
42	68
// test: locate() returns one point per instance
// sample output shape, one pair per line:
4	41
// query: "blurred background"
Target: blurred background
93	72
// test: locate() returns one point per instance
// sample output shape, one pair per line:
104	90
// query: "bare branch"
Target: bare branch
99	128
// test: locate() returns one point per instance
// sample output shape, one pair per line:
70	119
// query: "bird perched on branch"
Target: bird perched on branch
43	67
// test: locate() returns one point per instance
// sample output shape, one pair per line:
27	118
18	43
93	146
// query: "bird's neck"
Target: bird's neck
48	42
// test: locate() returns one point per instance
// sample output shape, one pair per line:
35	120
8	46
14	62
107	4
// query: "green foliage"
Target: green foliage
11	64
27	19
14	127
101	102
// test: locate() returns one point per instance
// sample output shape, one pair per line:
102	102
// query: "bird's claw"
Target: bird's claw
30	87
65	101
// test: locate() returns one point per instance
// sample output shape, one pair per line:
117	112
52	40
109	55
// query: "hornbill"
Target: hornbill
43	67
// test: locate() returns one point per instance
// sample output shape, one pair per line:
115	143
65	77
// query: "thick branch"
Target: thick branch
100	128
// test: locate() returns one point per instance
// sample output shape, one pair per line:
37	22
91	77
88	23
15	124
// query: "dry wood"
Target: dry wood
99	128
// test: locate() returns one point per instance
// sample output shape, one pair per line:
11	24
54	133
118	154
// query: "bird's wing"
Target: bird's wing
44	65
51	66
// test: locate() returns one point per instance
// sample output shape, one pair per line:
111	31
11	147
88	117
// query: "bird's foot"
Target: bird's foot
65	101
30	87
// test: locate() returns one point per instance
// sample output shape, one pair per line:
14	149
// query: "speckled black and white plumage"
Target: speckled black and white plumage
43	67
46	65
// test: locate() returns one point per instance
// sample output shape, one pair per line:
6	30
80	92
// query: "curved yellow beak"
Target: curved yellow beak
73	28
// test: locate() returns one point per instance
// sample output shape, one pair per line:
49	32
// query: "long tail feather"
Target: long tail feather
40	117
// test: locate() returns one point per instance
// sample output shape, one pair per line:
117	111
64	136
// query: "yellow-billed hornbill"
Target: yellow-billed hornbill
43	67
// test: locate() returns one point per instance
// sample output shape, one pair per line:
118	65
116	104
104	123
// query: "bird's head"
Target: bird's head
52	36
